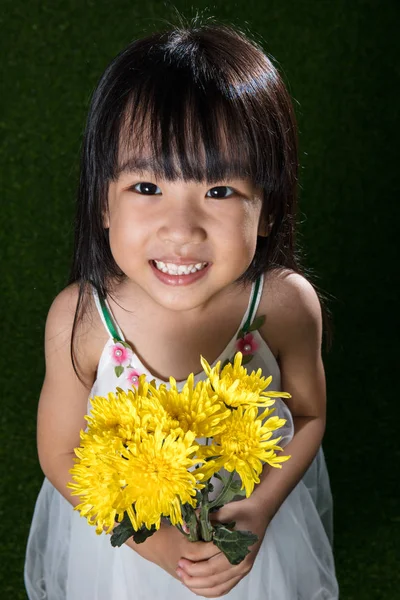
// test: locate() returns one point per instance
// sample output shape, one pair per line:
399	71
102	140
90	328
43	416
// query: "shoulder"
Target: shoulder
73	317
62	310
292	310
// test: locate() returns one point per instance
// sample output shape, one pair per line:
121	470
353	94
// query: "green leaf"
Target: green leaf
257	323
226	362
143	533
119	370
122	532
187	512
247	358
125	345
229	525
234	544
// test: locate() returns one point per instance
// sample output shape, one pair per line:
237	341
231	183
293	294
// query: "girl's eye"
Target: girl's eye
147	188
221	191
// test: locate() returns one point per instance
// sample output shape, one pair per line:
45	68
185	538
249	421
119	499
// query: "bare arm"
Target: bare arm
297	331
63	399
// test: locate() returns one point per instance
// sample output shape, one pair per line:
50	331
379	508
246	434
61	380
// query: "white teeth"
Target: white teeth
173	269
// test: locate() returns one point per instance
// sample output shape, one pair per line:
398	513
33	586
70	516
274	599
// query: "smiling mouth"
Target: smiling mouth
174	269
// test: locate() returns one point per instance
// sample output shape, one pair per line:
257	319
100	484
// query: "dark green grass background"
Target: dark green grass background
341	61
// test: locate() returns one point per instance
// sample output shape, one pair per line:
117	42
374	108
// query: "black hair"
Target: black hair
203	91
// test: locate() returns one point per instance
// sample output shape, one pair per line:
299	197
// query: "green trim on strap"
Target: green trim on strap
108	319
250	317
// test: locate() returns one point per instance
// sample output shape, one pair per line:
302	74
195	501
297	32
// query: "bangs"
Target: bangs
186	111
179	130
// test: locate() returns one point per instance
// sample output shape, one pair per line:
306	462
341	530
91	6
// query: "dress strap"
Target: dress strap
255	297
107	318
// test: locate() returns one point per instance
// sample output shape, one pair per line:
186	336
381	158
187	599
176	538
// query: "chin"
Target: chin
177	304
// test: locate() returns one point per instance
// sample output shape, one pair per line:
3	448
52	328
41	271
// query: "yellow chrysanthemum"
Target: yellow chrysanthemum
245	444
139	455
124	413
195	408
236	387
157	478
96	480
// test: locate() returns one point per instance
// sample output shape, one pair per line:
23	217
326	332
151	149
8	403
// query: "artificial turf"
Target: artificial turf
340	61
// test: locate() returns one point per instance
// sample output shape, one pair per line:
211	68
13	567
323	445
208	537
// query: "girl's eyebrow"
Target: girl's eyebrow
137	165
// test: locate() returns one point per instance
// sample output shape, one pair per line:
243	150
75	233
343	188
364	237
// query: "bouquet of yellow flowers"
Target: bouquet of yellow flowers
150	453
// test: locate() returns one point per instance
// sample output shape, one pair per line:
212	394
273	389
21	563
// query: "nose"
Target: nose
181	226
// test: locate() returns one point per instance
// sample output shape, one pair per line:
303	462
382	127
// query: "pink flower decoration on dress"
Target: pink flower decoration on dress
120	355
247	344
132	376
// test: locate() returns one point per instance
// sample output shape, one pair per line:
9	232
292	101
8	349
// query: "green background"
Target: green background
341	61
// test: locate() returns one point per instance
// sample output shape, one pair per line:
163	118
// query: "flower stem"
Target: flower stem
192	523
205	526
219	500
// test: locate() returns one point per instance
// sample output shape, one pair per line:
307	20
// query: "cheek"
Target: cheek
123	239
249	231
244	226
249	240
118	233
238	240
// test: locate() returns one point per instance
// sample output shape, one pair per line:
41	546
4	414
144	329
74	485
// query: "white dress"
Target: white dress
66	560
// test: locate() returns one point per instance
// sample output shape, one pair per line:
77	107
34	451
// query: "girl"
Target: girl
184	234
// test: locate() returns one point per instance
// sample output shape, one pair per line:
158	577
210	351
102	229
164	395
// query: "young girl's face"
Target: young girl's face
182	242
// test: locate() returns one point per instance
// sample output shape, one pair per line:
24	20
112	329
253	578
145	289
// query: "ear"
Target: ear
105	213
106	219
265	226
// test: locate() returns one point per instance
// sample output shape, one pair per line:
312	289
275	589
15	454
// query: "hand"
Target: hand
215	576
168	545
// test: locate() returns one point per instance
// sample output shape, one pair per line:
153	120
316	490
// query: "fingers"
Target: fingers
198	551
211	576
217	591
205	568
